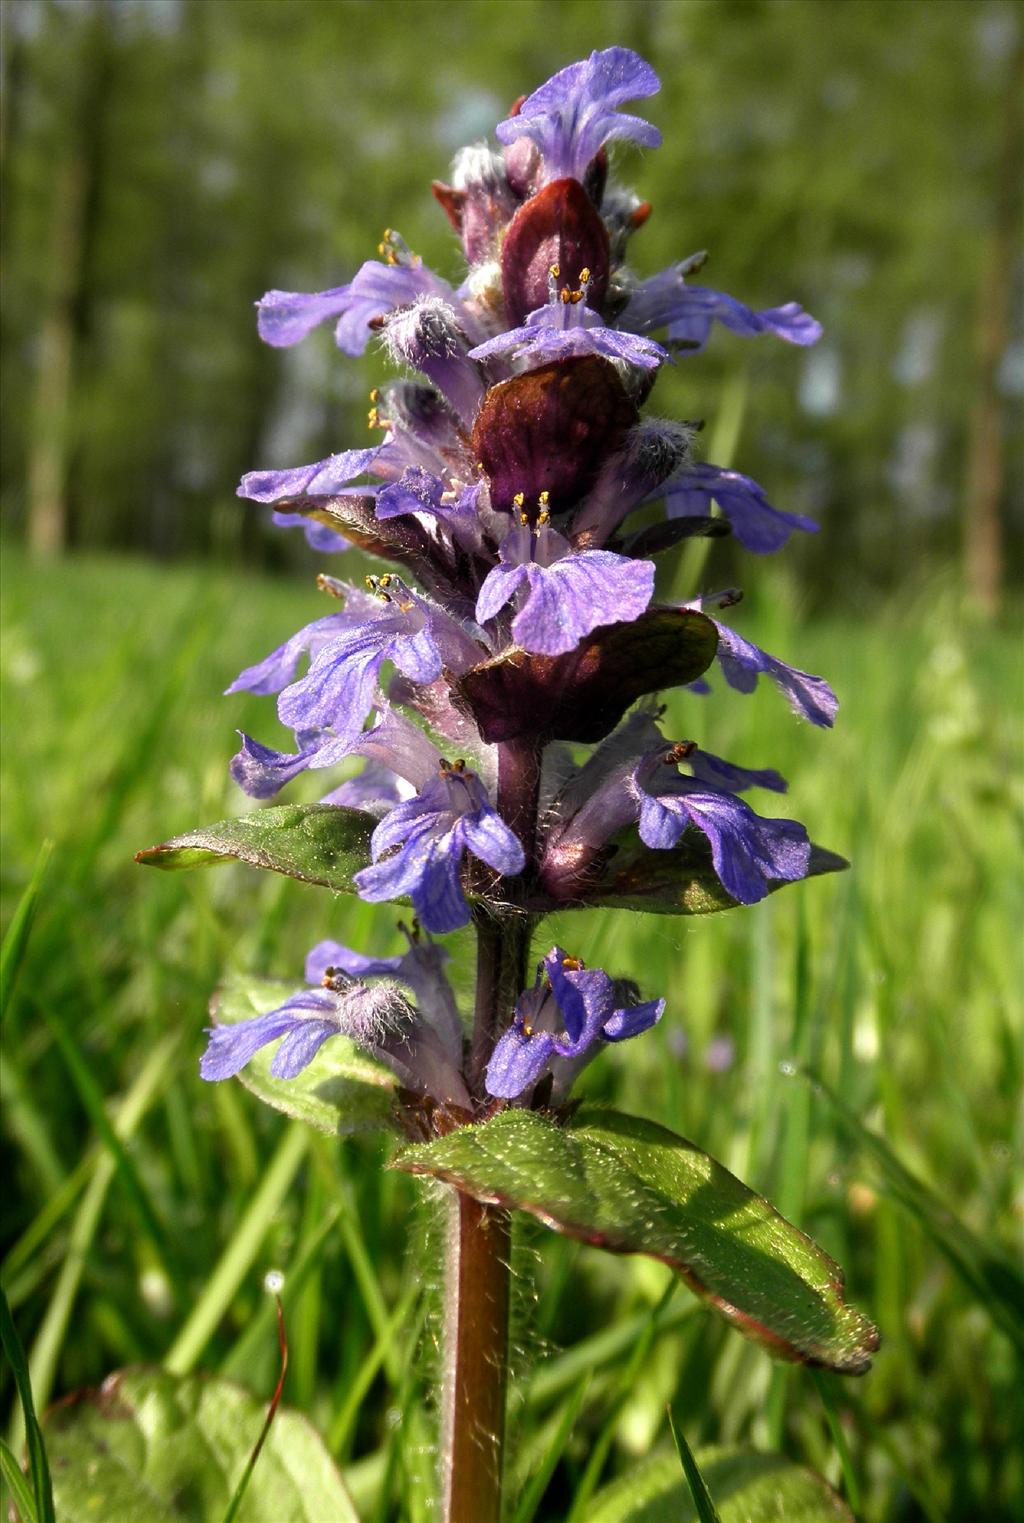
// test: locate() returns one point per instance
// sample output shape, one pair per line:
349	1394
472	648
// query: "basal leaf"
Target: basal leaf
342	1091
746	1487
631	1186
149	1447
320	843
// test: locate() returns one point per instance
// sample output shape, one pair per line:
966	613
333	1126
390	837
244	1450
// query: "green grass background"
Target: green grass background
898	982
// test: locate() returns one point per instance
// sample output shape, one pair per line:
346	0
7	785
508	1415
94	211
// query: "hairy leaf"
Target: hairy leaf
320	843
149	1447
342	1091
631	1186
746	1487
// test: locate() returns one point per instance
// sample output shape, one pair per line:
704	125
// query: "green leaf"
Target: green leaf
631	1186
320	843
747	1488
341	1092
17	1486
677	882
150	1447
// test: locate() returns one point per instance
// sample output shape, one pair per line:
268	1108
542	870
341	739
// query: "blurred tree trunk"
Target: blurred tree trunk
75	206
983	542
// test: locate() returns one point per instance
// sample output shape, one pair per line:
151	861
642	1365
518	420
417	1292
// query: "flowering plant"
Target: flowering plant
519	626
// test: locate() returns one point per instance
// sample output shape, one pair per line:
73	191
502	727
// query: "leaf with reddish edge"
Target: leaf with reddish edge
558	226
631	1186
682	881
551	429
320	843
583	694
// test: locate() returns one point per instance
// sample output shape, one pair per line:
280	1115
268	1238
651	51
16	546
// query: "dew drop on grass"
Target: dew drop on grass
273	1282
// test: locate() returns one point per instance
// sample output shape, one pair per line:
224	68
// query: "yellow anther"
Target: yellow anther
544	499
543	517
572	964
386	579
527	1028
524	519
554	271
584	275
375	394
519	499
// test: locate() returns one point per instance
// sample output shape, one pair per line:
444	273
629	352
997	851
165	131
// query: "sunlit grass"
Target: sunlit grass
143	1207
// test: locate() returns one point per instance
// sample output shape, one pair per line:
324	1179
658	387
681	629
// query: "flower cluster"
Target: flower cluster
506	487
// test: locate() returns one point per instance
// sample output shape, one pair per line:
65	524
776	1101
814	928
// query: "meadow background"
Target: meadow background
163	164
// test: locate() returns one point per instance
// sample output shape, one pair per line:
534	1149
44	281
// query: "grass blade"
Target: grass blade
620	1395
17	1486
239	1253
996	1282
850	1482
39	1468
48	1341
534	1493
12	952
707	1512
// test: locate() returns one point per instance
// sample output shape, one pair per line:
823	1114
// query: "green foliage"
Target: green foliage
318	843
149	1447
747	1487
630	1186
342	1091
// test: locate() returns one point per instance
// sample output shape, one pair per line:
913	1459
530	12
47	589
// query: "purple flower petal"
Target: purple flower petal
324	478
748	852
567	600
285	317
318	536
756	524
575	112
231	1046
742	663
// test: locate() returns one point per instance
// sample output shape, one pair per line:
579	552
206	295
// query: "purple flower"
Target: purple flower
285	317
756	524
743	663
324	478
749	853
634	776
575	113
394	745
665	300
561	1023
423	1047
565	327
305	1021
417	849
568	593
341	684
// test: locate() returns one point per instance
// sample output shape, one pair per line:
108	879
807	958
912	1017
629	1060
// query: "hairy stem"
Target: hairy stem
477	1272
476	1364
